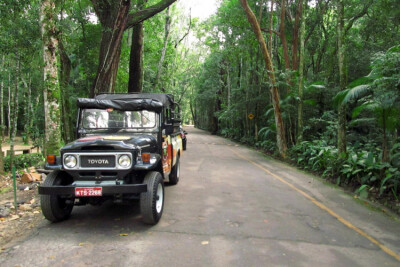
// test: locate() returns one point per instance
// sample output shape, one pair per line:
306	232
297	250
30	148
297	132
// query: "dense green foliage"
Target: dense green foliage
24	161
233	83
217	73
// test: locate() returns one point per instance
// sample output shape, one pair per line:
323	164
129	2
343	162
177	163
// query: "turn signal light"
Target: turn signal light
146	157
51	159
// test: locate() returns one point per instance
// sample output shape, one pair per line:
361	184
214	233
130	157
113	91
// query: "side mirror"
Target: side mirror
80	133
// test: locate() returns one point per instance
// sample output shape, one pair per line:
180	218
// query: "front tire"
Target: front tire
152	202
55	208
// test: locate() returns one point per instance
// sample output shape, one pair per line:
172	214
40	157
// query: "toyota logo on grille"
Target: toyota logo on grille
98	161
93	161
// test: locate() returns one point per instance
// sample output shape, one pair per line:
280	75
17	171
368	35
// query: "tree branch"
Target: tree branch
147	13
319	13
270	31
356	17
187	32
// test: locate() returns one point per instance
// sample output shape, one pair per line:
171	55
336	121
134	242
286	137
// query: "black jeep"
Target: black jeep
127	144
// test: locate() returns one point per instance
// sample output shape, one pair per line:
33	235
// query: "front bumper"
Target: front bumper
106	189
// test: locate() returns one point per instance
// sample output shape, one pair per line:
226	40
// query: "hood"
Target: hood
147	143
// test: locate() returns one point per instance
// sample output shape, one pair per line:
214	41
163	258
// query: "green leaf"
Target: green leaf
338	99
362	191
362	122
360	81
359	109
357	92
383	187
394	49
310	102
269	112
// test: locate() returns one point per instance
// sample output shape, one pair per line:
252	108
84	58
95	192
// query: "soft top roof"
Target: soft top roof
131	102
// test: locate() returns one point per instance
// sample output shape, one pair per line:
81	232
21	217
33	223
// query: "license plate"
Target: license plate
88	191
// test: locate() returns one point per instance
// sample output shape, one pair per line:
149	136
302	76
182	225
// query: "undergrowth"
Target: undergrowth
23	161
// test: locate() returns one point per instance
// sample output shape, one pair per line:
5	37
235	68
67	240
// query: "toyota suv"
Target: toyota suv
127	145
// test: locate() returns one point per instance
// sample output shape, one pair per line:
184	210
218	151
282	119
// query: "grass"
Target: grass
5	190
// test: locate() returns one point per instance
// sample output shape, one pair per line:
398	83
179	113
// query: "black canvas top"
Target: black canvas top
165	99
131	102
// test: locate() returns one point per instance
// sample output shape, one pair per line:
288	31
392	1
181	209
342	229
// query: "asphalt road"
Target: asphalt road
232	207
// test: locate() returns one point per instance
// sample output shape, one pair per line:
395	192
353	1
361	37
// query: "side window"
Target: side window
177	112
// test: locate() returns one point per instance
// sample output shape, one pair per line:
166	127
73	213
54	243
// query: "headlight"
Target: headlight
124	161
70	161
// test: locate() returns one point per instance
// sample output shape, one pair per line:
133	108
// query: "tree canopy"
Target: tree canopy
329	92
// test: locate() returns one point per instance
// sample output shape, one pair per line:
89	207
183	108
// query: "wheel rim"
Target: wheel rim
160	198
178	170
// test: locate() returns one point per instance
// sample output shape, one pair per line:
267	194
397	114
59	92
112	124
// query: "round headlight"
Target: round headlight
70	161
124	161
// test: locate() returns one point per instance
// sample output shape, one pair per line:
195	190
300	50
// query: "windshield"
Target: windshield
97	119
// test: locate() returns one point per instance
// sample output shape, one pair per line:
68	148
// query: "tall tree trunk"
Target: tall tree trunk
342	77
27	100
2	123
295	42
65	72
136	56
51	90
301	76
9	104
271	27
14	113
218	97
65	65
280	130
164	49
136	60
115	19
193	110
322	51
282	35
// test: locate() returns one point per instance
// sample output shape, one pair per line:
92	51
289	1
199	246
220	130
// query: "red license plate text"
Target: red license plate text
88	192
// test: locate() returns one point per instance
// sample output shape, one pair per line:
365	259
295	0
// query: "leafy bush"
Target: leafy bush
266	145
24	161
249	140
316	156
230	133
362	169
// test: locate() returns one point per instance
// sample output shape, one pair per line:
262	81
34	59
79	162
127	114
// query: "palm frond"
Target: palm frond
338	99
357	92
318	85
369	105
266	131
269	112
361	81
362	122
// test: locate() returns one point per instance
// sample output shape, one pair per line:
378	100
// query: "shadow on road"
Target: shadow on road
107	219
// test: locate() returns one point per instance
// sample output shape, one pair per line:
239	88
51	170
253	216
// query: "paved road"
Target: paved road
232	207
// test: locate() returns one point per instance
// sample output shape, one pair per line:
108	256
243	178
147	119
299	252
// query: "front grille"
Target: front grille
97	160
89	161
